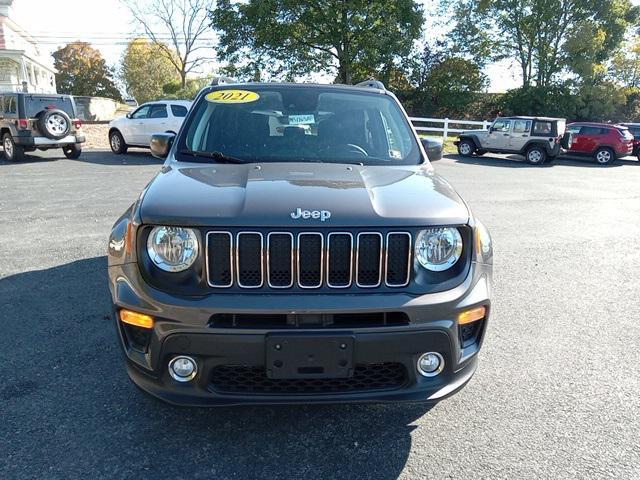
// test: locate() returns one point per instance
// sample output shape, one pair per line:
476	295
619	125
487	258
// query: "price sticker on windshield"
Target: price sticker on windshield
232	96
302	119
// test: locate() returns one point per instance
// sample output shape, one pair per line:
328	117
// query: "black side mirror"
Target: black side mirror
128	115
433	147
161	144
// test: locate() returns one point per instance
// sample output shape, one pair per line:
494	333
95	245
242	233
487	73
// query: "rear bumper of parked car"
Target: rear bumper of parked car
37	142
232	361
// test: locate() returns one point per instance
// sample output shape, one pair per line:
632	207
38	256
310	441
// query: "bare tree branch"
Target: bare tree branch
183	22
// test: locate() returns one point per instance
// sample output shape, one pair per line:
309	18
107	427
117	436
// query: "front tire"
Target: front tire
12	152
535	155
116	142
72	152
466	148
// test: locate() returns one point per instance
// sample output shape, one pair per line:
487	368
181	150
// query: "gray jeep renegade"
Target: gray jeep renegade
298	247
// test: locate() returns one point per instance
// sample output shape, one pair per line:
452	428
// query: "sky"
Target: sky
107	24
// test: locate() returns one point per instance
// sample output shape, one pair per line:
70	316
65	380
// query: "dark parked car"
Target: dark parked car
297	247
39	121
634	129
603	142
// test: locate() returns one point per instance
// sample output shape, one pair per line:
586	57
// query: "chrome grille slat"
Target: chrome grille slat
306	263
276	268
250	265
308	260
368	262
335	270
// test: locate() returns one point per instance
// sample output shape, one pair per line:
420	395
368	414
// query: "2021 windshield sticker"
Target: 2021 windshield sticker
232	96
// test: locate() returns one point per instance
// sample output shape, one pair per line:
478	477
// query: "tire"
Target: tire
12	152
72	152
116	142
54	124
605	156
535	155
466	148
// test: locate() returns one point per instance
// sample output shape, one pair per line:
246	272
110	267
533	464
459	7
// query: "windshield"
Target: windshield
280	123
35	104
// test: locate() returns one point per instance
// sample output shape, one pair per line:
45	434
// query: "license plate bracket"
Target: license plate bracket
309	356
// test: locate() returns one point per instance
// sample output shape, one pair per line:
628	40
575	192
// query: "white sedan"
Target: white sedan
136	128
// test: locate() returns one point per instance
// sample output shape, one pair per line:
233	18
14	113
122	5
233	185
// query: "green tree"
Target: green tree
625	65
299	37
535	32
455	83
145	70
83	71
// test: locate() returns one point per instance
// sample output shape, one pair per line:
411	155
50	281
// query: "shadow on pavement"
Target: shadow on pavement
69	410
516	161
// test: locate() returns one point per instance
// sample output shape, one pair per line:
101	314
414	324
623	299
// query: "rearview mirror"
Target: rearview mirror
433	147
161	143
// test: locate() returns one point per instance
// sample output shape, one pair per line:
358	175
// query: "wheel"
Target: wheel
54	124
535	155
117	143
605	156
72	152
12	152
466	148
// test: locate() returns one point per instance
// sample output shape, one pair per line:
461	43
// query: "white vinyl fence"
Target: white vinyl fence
446	126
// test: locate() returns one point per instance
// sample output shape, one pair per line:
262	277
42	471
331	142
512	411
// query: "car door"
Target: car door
520	134
156	122
132	129
585	141
498	138
177	114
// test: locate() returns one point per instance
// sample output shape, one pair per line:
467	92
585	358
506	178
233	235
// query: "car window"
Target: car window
501	126
542	128
635	130
575	129
179	111
142	112
34	104
158	111
282	123
588	130
9	104
521	126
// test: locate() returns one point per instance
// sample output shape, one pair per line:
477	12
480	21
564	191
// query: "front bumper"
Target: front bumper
182	328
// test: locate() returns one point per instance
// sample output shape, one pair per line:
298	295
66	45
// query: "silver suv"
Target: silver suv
538	139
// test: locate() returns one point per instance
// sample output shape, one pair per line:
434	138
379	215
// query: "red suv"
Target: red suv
603	141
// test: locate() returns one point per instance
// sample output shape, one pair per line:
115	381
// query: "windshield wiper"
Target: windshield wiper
217	156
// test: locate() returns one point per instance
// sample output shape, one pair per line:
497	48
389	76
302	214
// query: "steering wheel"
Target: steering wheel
357	149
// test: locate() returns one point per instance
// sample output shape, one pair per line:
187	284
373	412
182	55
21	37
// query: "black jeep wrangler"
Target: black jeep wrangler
39	121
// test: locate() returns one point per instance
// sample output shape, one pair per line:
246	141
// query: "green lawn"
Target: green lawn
449	147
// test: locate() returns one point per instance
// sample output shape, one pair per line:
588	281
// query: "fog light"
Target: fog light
430	364
183	369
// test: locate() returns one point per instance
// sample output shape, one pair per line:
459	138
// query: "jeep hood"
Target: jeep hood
266	195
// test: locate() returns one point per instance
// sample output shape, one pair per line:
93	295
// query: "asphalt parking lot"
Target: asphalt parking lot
556	394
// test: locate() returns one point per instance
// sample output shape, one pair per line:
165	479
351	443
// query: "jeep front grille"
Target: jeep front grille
308	260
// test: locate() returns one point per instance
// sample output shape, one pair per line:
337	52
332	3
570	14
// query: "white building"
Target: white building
22	66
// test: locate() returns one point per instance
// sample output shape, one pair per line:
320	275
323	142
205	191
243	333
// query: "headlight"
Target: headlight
438	249
172	249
